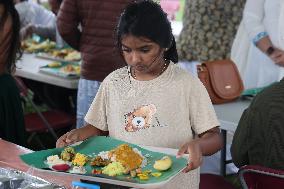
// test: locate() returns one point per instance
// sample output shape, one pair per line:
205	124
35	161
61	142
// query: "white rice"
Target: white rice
104	155
78	170
54	160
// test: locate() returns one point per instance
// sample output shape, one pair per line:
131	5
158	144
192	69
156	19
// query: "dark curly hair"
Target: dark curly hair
15	47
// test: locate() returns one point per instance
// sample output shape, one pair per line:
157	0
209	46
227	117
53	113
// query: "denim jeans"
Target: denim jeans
87	91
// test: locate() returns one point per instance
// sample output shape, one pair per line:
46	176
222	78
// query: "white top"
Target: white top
161	112
34	13
265	16
256	68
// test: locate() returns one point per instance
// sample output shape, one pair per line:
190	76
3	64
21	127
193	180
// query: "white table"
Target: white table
28	67
229	115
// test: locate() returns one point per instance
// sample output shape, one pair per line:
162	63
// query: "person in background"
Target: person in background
45	28
259	138
258	48
35	18
208	31
12	127
30	13
137	103
88	26
55	5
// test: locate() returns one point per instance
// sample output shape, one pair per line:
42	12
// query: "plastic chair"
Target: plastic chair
214	182
43	122
259	177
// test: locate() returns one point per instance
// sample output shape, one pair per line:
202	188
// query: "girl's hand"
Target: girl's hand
195	155
68	138
80	134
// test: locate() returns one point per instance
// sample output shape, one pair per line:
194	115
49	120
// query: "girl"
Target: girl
152	101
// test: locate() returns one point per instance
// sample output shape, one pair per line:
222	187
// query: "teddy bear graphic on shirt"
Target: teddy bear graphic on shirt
140	118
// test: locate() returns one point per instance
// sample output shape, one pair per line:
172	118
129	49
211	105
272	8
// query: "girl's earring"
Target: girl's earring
166	49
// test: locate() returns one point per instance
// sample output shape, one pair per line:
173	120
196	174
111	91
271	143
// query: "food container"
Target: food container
12	179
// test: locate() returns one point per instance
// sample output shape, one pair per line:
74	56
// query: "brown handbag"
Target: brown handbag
222	80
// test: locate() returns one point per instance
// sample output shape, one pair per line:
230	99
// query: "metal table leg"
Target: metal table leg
223	154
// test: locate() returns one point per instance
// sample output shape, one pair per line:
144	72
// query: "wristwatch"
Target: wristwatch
270	50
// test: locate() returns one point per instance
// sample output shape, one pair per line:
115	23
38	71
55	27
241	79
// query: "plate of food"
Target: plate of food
66	55
32	46
105	159
62	69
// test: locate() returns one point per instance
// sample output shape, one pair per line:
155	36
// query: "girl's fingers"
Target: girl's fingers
182	151
188	168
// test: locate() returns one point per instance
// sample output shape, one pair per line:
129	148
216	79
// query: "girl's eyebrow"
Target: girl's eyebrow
141	47
125	46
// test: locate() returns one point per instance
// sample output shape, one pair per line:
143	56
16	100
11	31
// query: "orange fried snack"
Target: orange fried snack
69	68
127	157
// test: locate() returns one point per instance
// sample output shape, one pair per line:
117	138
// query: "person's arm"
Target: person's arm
80	134
239	148
204	123
278	57
207	144
45	31
253	16
253	21
265	45
68	22
41	30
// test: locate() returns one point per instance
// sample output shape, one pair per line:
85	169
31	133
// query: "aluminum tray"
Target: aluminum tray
12	179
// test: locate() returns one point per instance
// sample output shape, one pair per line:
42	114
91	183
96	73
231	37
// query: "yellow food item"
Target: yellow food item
143	176
54	64
66	54
80	159
77	69
45	46
113	169
59	53
163	164
126	156
73	69
156	174
73	56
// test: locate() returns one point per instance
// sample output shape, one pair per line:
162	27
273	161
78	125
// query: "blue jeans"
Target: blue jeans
87	91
